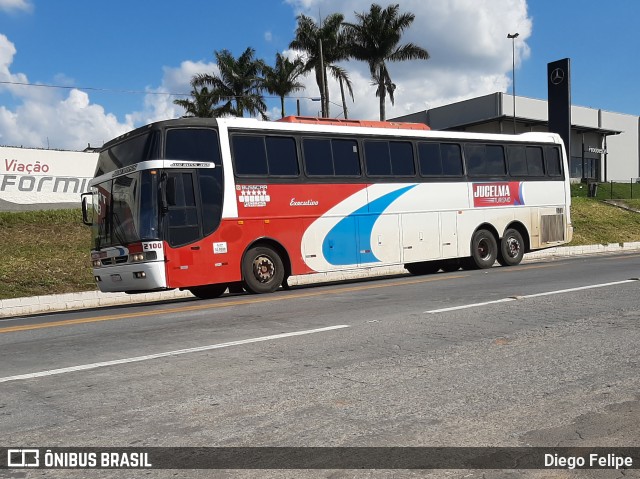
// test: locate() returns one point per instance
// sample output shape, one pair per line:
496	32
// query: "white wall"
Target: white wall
43	179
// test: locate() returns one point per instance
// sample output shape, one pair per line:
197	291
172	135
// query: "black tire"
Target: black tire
450	265
209	291
511	248
484	249
426	267
236	288
262	270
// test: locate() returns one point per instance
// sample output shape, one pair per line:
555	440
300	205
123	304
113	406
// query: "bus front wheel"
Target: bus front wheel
209	291
262	270
511	248
484	249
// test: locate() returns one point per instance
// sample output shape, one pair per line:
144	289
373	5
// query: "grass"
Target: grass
595	222
44	252
47	252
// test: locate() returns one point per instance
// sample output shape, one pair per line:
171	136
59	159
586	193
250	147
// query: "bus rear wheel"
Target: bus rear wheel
484	249
511	248
209	291
262	270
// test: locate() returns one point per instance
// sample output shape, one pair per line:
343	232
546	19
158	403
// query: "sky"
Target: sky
118	65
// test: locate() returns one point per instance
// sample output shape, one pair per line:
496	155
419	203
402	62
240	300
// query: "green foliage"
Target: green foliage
595	222
44	252
375	39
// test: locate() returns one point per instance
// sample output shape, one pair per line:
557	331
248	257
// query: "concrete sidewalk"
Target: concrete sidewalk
94	299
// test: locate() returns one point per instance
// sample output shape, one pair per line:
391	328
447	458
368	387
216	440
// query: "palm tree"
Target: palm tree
329	38
238	85
375	39
202	105
281	79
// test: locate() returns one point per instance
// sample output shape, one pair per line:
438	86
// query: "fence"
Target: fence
610	190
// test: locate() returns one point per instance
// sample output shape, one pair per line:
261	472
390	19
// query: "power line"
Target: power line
136	92
106	90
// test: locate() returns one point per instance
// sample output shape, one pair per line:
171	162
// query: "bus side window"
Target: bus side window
249	155
535	161
451	159
377	158
282	156
317	157
429	159
346	161
554	164
485	160
475	159
401	154
517	159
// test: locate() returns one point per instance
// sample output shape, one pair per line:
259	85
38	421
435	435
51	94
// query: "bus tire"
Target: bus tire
450	265
209	291
484	249
426	267
511	248
262	270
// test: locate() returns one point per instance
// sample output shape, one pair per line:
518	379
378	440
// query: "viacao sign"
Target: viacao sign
31	178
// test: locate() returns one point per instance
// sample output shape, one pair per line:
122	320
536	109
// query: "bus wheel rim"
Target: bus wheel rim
484	251
264	269
513	247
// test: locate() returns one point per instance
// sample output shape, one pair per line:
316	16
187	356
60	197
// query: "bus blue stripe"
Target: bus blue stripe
359	226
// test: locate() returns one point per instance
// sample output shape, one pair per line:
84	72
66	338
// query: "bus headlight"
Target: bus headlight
137	257
97	263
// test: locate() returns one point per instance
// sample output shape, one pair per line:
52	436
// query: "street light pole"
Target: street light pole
513	37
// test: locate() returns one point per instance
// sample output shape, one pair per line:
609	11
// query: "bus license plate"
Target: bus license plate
116	277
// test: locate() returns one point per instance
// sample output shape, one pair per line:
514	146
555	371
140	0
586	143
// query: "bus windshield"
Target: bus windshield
126	210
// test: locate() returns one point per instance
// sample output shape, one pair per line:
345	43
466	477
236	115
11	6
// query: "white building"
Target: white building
604	145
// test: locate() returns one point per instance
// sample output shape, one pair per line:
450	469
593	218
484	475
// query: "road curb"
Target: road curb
95	299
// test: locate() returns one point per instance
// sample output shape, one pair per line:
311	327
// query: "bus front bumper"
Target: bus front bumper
136	277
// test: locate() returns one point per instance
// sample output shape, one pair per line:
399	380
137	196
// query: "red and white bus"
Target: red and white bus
206	204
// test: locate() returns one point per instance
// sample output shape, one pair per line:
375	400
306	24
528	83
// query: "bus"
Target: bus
208	204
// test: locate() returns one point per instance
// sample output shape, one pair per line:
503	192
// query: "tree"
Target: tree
202	105
238	85
375	39
329	38
281	79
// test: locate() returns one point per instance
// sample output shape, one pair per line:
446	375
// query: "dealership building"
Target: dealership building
605	146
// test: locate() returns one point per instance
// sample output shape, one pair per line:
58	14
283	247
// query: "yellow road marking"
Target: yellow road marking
223	304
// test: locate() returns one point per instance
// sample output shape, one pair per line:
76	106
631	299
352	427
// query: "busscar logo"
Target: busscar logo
557	76
253	196
23	458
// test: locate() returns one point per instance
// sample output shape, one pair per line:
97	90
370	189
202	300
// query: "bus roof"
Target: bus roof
367	123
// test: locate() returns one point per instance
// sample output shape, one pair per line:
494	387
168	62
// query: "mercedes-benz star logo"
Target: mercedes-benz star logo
557	76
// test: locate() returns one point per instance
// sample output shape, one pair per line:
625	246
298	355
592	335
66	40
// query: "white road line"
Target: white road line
516	298
84	367
594	286
473	305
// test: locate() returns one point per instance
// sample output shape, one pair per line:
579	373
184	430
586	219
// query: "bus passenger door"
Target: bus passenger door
420	237
449	233
187	263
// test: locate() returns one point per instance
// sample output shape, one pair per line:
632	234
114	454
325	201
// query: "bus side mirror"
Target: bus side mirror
85	209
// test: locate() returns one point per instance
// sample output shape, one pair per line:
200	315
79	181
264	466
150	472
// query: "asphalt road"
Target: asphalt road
543	354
